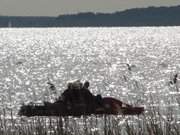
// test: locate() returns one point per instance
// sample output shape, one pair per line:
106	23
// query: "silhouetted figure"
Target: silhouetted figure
86	85
71	96
77	96
66	96
99	100
77	100
89	98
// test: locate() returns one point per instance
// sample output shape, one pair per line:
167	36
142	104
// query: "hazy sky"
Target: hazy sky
56	7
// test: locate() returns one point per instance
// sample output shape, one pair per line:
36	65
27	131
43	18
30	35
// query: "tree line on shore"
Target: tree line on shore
151	16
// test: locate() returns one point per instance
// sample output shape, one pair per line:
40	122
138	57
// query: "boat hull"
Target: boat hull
109	106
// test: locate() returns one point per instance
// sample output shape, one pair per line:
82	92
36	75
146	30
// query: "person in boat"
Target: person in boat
78	94
92	102
66	96
71	96
89	98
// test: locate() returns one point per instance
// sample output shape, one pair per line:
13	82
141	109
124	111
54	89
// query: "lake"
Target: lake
133	64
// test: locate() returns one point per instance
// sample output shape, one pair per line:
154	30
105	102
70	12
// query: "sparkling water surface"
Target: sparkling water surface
29	57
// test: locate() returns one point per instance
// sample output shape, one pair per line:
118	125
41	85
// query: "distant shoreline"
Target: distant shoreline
151	16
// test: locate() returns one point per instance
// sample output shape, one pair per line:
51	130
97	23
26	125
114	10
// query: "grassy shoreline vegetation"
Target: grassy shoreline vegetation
149	124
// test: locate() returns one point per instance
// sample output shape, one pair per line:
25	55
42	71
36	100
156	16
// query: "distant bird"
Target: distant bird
19	63
163	65
51	86
174	80
130	67
125	78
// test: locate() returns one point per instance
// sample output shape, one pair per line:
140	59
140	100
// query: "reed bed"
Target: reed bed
152	122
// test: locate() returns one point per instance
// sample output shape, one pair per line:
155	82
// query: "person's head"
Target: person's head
99	99
69	86
77	85
86	84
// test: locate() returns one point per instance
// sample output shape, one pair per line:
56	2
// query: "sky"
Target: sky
59	7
